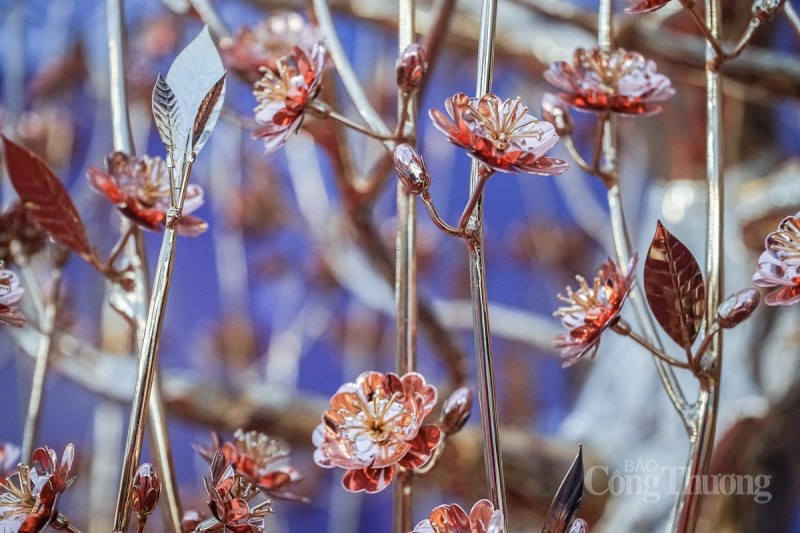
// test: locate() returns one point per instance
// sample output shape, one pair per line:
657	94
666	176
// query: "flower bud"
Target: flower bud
455	412
146	488
411	67
411	169
554	112
737	307
763	10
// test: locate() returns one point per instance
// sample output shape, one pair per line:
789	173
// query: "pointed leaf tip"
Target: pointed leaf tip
567	500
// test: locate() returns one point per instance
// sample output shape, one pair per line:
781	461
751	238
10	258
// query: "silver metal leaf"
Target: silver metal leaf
207	115
168	117
195	71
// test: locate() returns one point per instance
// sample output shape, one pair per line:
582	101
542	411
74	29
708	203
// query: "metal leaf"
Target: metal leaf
673	283
567	500
207	115
168	117
44	197
196	70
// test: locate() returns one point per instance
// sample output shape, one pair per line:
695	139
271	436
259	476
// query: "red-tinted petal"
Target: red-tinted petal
369	480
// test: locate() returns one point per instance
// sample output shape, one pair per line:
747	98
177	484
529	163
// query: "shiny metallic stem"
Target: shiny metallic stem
122	138
345	70
145	378
123	141
619	229
705	412
47	327
405	267
480	302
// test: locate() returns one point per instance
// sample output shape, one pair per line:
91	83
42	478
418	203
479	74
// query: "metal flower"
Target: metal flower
592	309
411	169
779	264
139	187
261	46
256	456
411	67
373	426
737	308
500	134
146	490
483	518
10	294
618	82
456	410
30	506
284	94
230	496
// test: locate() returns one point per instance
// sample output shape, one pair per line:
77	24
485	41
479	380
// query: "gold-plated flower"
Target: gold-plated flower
617	82
10	294
284	94
483	518
250	49
501	134
260	459
374	426
139	188
29	504
592	309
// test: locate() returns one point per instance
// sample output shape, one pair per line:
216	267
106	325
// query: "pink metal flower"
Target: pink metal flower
284	94
29	506
230	496
146	489
257	457
500	134
10	294
592	309
779	264
483	518
374	426
139	187
619	82
261	46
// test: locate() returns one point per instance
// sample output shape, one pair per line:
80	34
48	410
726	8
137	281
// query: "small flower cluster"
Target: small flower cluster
139	187
592	309
259	459
230	501
28	503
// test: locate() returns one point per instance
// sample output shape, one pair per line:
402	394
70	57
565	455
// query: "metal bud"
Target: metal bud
737	307
411	169
455	412
763	10
146	488
554	112
411	67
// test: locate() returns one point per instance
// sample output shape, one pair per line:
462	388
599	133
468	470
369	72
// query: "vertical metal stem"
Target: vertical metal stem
480	304
405	270
47	326
619	229
123	141
688	507
145	378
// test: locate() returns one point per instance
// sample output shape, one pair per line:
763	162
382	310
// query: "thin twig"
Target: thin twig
625	330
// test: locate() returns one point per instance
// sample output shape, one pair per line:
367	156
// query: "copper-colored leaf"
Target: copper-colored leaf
567	500
45	198
673	283
207	115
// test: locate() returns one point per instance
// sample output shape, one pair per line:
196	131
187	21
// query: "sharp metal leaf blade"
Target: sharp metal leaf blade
673	284
168	117
567	500
196	70
207	115
42	194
